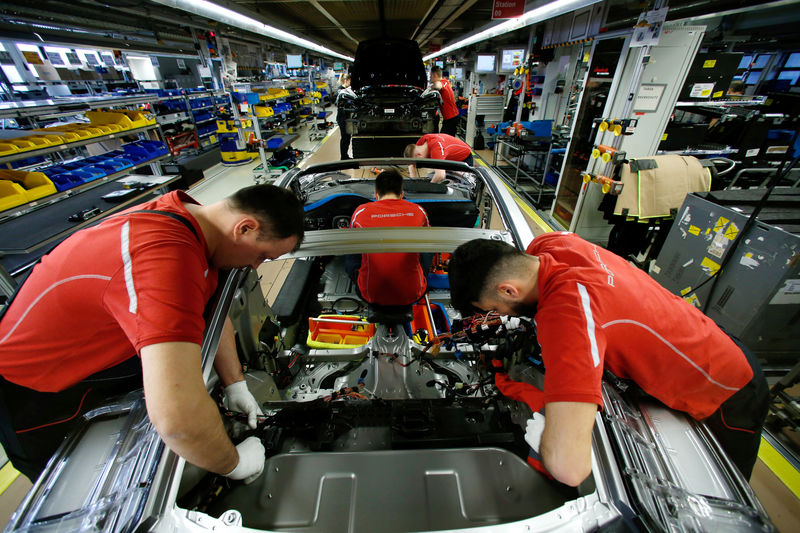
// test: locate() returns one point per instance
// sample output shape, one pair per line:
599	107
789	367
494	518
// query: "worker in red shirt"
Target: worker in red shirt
118	306
594	312
438	146
449	110
389	278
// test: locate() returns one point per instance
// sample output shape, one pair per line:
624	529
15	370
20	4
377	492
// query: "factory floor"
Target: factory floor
775	481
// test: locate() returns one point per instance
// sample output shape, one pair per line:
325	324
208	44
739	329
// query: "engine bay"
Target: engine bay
392	427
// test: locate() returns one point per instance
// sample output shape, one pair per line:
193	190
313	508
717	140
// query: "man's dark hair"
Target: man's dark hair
436	69
389	182
471	267
278	210
408	153
737	87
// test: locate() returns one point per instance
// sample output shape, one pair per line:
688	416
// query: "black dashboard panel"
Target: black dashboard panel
330	204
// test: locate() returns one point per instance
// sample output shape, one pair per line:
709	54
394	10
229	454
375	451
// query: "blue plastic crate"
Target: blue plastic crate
539	128
200	102
64	181
275	142
202	116
145	150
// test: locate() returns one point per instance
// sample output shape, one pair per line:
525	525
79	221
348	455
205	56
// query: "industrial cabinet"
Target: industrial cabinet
757	295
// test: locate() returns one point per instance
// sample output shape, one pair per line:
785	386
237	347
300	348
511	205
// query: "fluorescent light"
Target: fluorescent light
547	11
222	14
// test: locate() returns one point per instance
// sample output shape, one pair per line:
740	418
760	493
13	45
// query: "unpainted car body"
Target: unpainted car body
392	434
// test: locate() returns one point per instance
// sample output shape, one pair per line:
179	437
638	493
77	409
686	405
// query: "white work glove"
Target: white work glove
252	457
238	398
533	431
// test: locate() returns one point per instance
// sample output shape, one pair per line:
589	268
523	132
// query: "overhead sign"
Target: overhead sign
507	9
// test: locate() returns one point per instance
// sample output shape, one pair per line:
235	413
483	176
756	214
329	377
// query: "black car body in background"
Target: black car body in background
390	103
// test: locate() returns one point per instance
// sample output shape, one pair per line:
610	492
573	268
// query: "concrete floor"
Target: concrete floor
220	181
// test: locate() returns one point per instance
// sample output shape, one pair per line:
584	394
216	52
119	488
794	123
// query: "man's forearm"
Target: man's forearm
226	362
198	436
412	171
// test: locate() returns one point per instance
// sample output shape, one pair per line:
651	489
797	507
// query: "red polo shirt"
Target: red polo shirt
390	278
443	146
105	293
449	109
597	311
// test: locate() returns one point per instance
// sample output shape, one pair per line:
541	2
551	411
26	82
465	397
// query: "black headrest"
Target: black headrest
389	314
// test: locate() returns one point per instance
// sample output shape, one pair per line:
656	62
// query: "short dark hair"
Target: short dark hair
389	182
471	267
436	69
278	210
737	87
409	151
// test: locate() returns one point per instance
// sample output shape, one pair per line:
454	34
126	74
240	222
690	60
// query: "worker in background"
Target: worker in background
118	306
449	110
594	312
438	146
342	116
736	88
388	278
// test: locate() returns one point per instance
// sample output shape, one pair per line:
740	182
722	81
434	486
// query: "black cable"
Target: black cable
780	173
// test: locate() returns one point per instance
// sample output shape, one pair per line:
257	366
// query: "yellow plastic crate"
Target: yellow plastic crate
139	118
11	195
227	126
350	331
6	148
263	111
115	118
70	132
35	185
278	93
45	140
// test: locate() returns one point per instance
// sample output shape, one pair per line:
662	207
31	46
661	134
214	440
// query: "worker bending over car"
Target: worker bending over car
388	278
120	305
449	109
594	312
438	146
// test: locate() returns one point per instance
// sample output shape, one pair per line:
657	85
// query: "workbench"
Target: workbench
25	238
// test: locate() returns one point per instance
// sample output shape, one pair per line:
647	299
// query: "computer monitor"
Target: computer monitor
294	61
511	59
485	63
439	64
458	73
338	66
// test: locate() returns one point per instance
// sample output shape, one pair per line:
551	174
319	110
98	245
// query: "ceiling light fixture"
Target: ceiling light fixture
216	12
539	14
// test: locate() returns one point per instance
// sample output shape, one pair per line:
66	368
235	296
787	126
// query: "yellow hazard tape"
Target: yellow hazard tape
528	210
787	473
524	205
7	476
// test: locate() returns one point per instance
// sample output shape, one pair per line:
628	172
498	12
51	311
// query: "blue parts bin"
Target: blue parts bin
69	175
275	142
146	149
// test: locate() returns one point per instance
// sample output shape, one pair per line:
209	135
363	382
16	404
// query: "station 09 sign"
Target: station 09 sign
507	9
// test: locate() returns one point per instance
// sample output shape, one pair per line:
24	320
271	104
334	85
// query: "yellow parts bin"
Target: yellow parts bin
327	332
121	120
18	187
28	142
228	126
263	111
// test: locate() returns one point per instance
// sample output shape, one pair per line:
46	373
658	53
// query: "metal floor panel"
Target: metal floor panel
393	491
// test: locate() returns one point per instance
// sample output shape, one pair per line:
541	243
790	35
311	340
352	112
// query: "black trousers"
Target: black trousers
33	424
344	141
450	125
738	422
